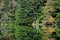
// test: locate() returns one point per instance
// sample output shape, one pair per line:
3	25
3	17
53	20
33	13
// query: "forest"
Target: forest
29	19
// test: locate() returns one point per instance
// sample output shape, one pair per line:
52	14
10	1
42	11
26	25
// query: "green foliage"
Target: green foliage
56	14
26	33
24	16
16	19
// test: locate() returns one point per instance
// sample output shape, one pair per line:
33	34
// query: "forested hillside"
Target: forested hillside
29	19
